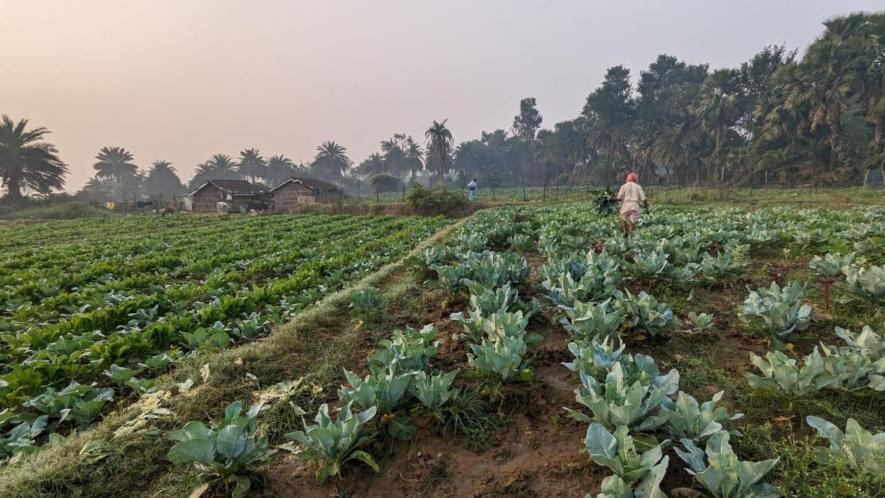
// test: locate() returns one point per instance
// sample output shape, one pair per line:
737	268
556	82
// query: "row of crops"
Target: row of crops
92	311
609	295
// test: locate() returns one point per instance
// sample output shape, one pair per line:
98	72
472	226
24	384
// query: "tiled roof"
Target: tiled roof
234	187
310	183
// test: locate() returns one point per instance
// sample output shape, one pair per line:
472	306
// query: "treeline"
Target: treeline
775	119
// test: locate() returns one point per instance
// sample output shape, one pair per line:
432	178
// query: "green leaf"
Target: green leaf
242	487
365	458
193	450
402	427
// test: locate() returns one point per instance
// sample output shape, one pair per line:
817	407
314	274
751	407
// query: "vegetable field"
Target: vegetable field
91	311
528	351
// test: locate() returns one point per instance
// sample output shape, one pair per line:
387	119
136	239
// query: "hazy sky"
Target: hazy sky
180	80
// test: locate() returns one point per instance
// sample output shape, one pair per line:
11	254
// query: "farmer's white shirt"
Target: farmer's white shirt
631	195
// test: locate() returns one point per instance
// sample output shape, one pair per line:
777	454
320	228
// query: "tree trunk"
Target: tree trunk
14	190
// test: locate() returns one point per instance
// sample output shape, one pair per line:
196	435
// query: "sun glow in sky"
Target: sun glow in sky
180	80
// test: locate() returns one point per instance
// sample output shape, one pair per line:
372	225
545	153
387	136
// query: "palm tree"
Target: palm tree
414	156
162	181
439	148
218	167
279	169
331	161
26	161
115	163
372	165
251	164
717	111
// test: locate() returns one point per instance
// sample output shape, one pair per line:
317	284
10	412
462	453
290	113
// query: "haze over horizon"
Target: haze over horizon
180	81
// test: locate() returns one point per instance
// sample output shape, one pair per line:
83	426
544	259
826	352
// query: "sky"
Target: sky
180	80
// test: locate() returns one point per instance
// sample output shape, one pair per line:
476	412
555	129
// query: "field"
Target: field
526	351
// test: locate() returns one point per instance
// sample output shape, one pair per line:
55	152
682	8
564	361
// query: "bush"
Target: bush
435	200
385	183
65	211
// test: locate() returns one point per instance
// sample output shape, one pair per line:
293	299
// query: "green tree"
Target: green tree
279	169
218	167
440	144
609	118
162	181
26	161
717	111
331	161
251	165
114	163
528	121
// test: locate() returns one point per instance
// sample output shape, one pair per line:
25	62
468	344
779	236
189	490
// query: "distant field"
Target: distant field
119	300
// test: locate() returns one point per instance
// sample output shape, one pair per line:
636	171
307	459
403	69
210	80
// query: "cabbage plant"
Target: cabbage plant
686	419
616	402
335	442
863	450
720	471
434	391
501	357
594	357
407	349
366	300
830	265
496	325
781	373
778	311
701	321
78	402
649	264
383	388
487	300
645	314
865	282
618	452
585	321
726	265
227	452
20	440
615	487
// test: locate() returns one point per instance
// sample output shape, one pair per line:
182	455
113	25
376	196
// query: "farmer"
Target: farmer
631	195
471	190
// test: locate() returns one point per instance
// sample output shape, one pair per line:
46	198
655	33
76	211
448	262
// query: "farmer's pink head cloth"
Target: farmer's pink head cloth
632	177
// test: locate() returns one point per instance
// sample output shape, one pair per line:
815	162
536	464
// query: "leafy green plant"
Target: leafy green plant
650	264
335	442
729	263
408	349
781	373
366	300
778	311
686	419
121	375
225	453
615	487
618	452
865	283
585	321
595	358
20	440
488	300
830	265
383	388
501	357
701	321
722	473
617	403
78	402
645	314
863	450
434	391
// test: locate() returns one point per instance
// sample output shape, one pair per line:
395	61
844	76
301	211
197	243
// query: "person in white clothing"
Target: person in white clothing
471	190
631	195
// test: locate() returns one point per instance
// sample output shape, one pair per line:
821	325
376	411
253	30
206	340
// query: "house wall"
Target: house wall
206	200
290	196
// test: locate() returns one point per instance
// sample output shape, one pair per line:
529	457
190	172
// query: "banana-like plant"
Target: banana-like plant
722	473
781	373
618	452
501	358
778	311
617	403
864	451
335	442
383	388
586	321
434	391
595	358
686	419
644	313
407	349
227	452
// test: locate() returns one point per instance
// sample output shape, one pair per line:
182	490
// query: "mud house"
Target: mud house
296	191
240	195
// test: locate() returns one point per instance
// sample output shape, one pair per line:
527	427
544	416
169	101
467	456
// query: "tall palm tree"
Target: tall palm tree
440	144
414	156
162	181
331	161
717	111
26	161
114	162
251	165
218	167
279	169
